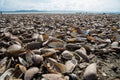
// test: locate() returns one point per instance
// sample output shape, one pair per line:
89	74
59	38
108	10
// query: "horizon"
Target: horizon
61	5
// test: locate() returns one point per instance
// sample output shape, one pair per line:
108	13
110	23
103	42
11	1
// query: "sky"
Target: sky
82	5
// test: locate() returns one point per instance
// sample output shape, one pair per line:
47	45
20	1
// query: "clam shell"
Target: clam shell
13	49
30	73
37	59
47	54
33	45
3	64
54	77
59	67
82	53
56	43
67	55
90	72
35	36
22	68
7	73
114	44
70	65
44	50
90	38
23	62
72	47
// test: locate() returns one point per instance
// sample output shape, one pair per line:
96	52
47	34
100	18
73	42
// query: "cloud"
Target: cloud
86	5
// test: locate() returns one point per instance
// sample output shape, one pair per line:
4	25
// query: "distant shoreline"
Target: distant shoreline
54	12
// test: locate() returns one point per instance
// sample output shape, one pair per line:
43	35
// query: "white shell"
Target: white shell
70	65
90	72
30	73
67	55
114	45
54	77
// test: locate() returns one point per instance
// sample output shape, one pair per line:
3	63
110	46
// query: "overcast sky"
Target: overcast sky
84	5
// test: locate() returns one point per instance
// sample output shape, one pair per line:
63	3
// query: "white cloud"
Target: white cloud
87	5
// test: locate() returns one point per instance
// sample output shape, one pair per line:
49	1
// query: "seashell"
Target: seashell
59	67
73	77
88	47
108	40
42	37
44	50
37	59
30	73
114	28
8	72
56	43
117	36
67	55
70	65
83	65
6	34
76	39
14	49
90	72
72	47
47	54
21	67
45	37
37	51
114	44
54	77
23	62
90	38
33	45
82	53
28	40
35	36
28	58
103	45
3	66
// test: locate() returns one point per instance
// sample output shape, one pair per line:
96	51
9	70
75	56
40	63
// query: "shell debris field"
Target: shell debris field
60	47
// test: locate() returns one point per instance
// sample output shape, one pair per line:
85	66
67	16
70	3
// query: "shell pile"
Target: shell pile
59	47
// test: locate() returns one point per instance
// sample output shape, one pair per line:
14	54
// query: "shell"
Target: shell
33	45
44	50
82	53
58	67
73	77
37	59
7	73
14	49
67	55
56	43
30	73
47	54
114	44
3	64
54	77
72	47
90	72
35	36
23	62
90	38
43	37
70	65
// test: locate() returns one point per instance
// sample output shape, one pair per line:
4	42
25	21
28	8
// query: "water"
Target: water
55	12
45	12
